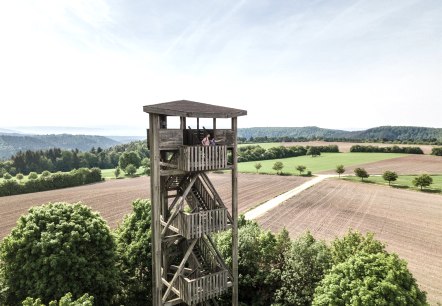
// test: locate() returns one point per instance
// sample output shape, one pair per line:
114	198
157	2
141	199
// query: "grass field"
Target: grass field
403	181
327	161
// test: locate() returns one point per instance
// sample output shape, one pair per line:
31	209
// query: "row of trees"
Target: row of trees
65	160
48	181
256	152
59	248
393	149
436	151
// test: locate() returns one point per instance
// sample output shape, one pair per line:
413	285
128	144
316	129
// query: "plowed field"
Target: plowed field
113	198
410	164
409	222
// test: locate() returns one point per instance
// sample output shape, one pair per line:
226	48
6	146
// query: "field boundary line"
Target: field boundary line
271	204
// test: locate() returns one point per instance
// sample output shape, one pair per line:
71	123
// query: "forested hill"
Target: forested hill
382	133
10	144
295	132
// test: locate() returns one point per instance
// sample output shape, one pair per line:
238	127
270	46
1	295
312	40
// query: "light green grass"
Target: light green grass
403	181
327	161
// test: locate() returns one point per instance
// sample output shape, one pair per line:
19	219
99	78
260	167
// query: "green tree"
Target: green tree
304	267
362	173
128	158
66	300
58	248
422	181
257	167
117	172
277	166
19	176
135	257
7	176
354	242
313	151
390	176
301	169
130	170
340	169
145	163
369	279
32	175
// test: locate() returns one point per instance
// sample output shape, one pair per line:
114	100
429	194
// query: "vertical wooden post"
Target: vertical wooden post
235	213
157	285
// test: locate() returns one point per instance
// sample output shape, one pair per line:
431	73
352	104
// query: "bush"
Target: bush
7	176
66	300
130	170
135	258
369	279
32	175
58	248
389	149
45	173
436	151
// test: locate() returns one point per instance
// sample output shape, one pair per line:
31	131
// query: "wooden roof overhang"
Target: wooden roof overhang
186	108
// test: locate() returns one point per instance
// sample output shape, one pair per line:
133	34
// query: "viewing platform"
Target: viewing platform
202	158
195	225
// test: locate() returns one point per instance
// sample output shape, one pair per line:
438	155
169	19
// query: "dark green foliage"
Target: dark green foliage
301	169
261	256
66	300
54	181
340	169
393	149
304	267
389	176
369	279
7	176
130	170
256	152
277	166
258	166
129	158
117	172
422	181
32	175
58	248
436	151
19	176
354	242
313	151
135	258
362	173
45	173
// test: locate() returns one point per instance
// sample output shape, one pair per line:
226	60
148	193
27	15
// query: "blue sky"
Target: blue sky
333	64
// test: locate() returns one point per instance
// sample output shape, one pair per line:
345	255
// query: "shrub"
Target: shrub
369	279
45	173
7	176
390	176
117	172
130	170
19	176
32	175
436	151
135	257
58	248
277	166
66	300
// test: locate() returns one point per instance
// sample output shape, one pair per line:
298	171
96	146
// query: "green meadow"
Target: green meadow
403	181
324	162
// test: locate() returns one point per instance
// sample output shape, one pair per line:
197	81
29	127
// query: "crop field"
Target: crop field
409	222
403	181
343	146
113	198
324	162
406	165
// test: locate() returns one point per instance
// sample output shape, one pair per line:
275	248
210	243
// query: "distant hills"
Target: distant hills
12	143
382	133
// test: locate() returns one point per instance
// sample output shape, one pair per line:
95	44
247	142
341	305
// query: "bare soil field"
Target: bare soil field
409	222
113	198
410	164
345	146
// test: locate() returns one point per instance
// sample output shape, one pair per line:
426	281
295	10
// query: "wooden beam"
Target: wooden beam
172	172
165	282
157	285
180	268
235	213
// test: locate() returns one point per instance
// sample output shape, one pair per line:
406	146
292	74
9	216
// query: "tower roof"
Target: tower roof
186	108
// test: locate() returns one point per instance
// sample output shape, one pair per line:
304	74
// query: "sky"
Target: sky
334	64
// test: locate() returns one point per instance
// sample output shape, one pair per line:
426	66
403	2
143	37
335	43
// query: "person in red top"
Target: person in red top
206	140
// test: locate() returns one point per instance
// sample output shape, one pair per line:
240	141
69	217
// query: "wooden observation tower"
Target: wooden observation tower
186	208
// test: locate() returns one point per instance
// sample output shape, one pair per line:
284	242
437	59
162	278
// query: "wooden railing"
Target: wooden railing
201	289
202	158
195	225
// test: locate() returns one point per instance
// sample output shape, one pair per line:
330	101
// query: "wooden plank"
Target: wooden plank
235	215
170	138
157	284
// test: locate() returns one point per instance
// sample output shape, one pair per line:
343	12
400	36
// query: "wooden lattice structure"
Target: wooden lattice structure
186	208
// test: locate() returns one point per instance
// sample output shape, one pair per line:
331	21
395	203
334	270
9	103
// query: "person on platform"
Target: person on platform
206	140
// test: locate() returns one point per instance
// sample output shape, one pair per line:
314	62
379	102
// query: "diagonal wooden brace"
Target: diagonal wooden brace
179	270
